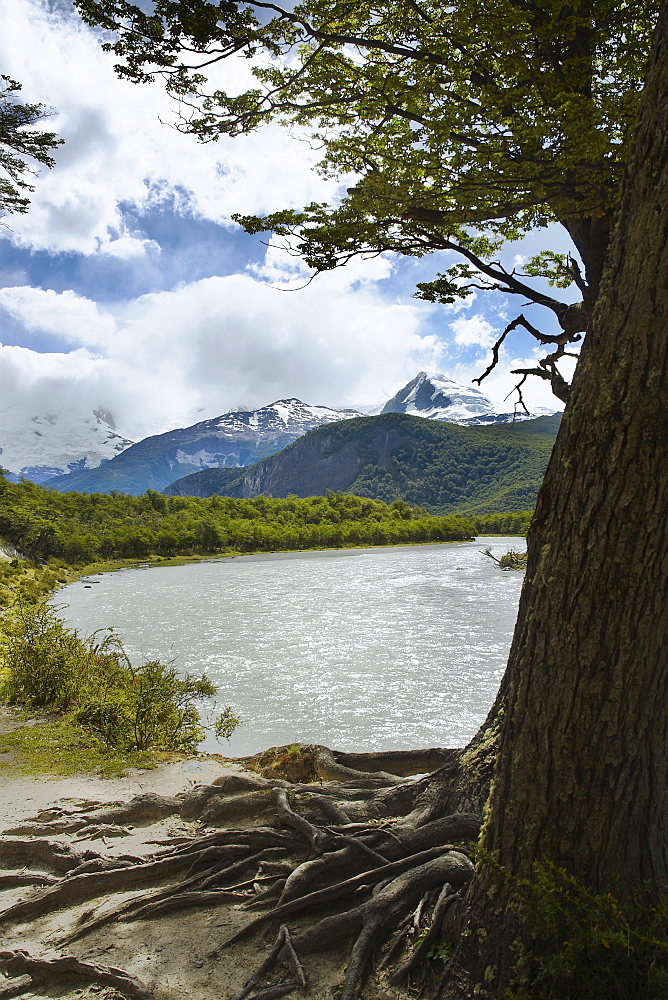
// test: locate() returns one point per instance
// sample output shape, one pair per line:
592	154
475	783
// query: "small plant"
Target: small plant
225	724
441	952
130	709
589	946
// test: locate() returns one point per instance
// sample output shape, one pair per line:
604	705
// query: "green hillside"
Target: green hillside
442	467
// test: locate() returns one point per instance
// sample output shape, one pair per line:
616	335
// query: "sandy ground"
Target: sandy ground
175	957
23	796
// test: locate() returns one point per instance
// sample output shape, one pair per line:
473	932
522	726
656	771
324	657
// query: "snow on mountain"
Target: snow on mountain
235	439
440	398
52	443
289	416
72	450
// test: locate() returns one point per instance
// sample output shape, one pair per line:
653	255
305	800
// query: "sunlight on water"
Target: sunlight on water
357	649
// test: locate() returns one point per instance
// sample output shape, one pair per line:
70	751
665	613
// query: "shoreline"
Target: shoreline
152	562
159	562
26	794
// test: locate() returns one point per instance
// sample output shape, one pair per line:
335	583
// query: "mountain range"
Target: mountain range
86	453
396	456
234	440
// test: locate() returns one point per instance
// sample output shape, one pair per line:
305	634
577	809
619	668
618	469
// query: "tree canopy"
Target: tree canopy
458	126
19	145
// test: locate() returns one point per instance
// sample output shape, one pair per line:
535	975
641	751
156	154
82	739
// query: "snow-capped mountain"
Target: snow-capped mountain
285	416
229	441
41	446
238	438
71	450
439	398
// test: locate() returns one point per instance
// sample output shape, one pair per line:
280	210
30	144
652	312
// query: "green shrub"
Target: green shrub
50	666
590	946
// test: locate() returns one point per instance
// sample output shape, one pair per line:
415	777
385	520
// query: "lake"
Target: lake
359	649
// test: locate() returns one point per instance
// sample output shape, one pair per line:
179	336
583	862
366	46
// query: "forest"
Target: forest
396	456
82	527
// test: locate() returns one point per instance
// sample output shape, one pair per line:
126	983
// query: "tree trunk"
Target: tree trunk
582	766
591	237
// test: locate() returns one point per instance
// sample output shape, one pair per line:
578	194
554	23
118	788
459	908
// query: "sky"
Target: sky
127	286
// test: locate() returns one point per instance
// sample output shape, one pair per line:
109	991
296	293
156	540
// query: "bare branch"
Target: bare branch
520	397
497	347
560	386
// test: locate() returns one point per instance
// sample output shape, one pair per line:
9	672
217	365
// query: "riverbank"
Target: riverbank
50	828
64	748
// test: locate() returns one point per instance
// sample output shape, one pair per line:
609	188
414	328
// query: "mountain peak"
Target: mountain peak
51	443
438	397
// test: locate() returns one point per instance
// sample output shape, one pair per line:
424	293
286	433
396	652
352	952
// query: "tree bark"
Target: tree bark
582	768
591	236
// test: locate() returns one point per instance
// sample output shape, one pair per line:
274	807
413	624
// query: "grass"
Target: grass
95	712
60	748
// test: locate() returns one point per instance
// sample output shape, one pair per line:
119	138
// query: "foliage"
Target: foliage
515	523
21	579
590	946
19	144
79	528
47	665
463	125
441	952
509	560
225	724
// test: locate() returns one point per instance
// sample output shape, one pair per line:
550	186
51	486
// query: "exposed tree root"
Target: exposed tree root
53	856
355	855
282	950
375	917
430	939
20	963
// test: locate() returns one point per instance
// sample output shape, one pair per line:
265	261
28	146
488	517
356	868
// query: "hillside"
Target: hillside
440	466
234	439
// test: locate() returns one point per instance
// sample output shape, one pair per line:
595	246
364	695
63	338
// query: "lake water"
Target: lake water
359	649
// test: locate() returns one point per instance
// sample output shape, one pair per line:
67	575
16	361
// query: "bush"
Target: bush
49	665
589	946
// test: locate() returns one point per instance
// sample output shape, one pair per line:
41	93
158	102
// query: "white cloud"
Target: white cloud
118	151
31	382
500	384
169	358
128	247
173	357
473	330
65	315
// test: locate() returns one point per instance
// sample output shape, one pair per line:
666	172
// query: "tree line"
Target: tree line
81	527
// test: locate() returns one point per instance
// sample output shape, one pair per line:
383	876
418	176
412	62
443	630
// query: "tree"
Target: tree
581	770
19	144
582	767
463	125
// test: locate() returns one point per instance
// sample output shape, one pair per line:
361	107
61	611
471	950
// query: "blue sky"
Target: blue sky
127	286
